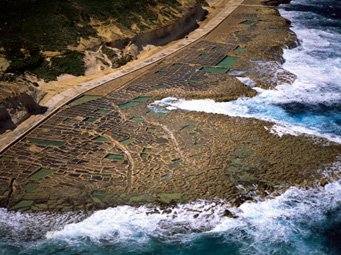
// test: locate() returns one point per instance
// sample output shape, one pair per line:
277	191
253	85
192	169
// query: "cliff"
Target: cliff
57	37
41	40
18	100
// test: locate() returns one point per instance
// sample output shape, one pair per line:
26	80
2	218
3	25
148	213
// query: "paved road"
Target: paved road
66	96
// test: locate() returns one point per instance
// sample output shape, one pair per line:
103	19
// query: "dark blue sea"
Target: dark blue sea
297	222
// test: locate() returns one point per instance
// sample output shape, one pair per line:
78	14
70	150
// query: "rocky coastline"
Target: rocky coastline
106	51
109	147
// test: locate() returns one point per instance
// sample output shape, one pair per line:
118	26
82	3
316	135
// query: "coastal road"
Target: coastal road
108	147
56	102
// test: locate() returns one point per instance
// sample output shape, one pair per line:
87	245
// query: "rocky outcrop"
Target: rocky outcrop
276	2
174	31
120	51
19	99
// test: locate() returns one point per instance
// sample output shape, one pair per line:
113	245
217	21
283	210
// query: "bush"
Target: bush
20	63
70	63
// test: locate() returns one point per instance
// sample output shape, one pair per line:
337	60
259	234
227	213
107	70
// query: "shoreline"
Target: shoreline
87	83
243	153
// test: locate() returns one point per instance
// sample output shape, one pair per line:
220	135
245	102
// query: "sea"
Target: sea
300	221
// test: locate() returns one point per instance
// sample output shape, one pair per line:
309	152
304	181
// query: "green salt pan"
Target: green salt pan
147	150
90	119
115	157
248	22
98	194
228	61
176	161
240	49
103	111
213	70
127	105
40	174
169	197
160	86
142	99
2	158
46	142
140	198
137	119
166	177
144	156
161	72
83	99
145	153
100	139
22	204
29	187
127	141
151	130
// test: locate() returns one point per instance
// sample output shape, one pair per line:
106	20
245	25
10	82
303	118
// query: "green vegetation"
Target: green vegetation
70	63
123	60
30	27
109	52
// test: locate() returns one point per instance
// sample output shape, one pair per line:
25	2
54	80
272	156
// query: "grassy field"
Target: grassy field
40	25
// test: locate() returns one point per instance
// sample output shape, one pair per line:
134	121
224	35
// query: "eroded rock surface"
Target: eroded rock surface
19	99
108	147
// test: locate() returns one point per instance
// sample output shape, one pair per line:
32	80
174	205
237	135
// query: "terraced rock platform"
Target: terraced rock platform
109	147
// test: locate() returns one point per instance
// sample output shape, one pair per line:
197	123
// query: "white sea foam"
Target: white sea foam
247	81
260	226
138	224
244	108
284	224
317	89
292	223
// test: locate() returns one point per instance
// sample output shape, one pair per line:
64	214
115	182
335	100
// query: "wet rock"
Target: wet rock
324	182
229	214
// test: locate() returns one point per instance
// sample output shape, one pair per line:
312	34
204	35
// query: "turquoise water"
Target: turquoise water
297	222
312	104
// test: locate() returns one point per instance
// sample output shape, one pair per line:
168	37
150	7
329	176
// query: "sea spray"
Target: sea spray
312	103
295	222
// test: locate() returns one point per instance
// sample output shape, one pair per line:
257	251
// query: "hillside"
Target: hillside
41	40
49	38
